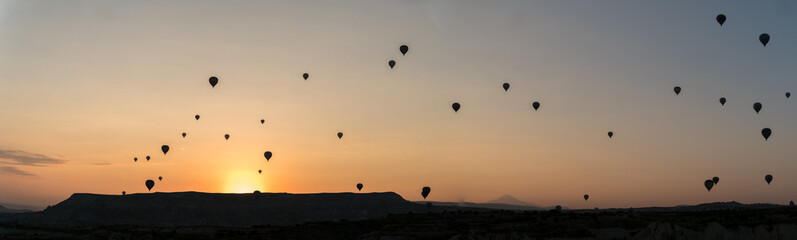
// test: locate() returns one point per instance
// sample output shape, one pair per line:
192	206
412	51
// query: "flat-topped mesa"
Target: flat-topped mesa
224	209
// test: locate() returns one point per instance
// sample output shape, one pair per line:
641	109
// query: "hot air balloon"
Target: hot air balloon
340	135
425	192
305	76
124	193
403	49
256	192
709	184
196	117
535	105
506	87
160	178
165	148
149	183
586	196
757	107
558	208
262	121
788	95
135	159
147	158
391	63
677	90
766	132
791	203
715	180
213	81
259	171
721	19
611	134
764	38
359	186
183	135
722	101
267	155
768	178
455	106
226	136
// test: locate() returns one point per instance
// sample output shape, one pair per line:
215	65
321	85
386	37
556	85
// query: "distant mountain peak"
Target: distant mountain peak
510	200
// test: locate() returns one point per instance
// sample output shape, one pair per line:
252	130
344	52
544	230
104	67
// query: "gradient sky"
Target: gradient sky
88	85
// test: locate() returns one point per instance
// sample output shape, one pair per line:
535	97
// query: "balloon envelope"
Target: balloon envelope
124	193
768	178
535	105
147	158
677	90
391	63
213	81
259	171
267	155
586	196
788	94
160	178
340	135
149	183
766	132
506	87
722	101
425	192
359	186
721	19
403	49
455	106
135	159
262	121
226	136
764	38
165	149
611	134
305	76
715	179
196	117
709	184
183	135
757	107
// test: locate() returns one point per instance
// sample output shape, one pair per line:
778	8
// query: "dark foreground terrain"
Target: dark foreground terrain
379	216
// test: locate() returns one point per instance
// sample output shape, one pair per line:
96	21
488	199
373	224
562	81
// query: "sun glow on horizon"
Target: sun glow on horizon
243	182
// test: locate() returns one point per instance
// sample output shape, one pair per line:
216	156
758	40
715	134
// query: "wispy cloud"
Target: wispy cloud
14	170
14	157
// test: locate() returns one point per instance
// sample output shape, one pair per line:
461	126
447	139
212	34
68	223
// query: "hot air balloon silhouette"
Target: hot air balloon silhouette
124	193
455	106
259	171
340	135
757	107
165	149
788	95
213	81
722	101
506	87
160	178
391	63
611	134
267	154
586	196
535	105
721	19
709	184
147	158
262	121
196	117
226	136
359	186
766	132
135	159
425	192
403	49
715	180
764	38
768	178
305	76
677	90
183	135
149	183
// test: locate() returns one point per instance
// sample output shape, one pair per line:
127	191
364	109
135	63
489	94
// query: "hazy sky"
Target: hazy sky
88	85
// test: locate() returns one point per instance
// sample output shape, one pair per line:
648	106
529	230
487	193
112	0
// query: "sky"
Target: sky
87	86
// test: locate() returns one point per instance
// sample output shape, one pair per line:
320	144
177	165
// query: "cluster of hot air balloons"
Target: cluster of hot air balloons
763	37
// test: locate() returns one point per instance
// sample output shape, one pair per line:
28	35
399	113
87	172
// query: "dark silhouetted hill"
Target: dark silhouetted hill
217	209
8	210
